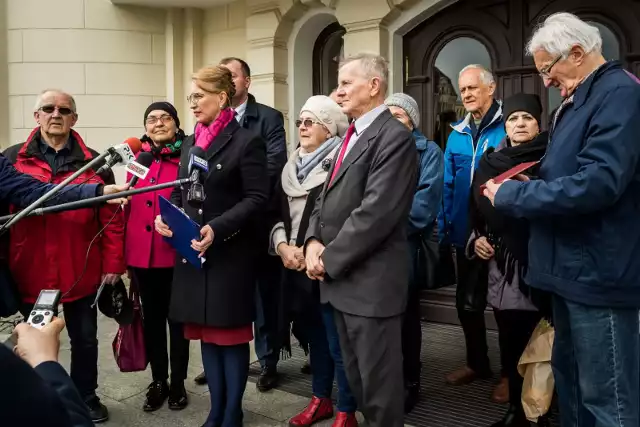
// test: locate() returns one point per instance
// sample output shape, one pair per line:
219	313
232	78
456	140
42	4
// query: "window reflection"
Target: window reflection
448	108
610	51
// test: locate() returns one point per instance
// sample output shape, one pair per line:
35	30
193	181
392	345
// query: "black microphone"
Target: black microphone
197	165
144	159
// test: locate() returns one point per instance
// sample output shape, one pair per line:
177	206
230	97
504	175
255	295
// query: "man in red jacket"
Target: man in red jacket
71	251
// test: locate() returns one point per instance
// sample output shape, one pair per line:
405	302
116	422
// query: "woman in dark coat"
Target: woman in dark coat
502	242
216	302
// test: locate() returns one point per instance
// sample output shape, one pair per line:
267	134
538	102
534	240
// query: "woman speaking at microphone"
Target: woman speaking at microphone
216	302
150	259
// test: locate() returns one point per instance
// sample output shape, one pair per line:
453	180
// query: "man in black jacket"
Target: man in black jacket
269	124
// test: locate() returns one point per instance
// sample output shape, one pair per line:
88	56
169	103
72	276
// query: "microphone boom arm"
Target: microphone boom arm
81	204
33	206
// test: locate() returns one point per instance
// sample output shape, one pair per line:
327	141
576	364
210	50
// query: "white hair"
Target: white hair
486	76
373	65
562	31
39	100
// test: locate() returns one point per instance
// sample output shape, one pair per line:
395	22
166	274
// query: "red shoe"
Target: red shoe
317	410
345	419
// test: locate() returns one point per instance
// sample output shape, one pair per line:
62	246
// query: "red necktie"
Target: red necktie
343	150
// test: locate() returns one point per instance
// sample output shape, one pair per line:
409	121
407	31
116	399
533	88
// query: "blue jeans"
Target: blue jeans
227	370
596	364
326	359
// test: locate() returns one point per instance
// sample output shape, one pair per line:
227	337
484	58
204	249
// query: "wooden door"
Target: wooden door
503	28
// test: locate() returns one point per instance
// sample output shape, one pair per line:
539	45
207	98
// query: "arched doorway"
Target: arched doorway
503	28
327	52
446	104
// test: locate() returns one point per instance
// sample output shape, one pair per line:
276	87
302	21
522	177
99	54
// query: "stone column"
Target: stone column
267	56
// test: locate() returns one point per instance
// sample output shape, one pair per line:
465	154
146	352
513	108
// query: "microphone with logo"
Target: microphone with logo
197	165
139	168
121	154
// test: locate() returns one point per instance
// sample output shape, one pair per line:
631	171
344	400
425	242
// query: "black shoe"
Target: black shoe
411	396
201	379
513	418
178	399
268	379
97	410
157	393
306	368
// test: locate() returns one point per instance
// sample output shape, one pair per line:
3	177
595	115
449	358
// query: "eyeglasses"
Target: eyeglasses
165	119
546	70
49	109
194	98
307	123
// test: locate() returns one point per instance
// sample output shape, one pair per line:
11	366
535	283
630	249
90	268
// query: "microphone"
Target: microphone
140	167
197	164
121	154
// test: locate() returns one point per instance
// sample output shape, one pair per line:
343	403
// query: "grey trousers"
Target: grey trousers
372	356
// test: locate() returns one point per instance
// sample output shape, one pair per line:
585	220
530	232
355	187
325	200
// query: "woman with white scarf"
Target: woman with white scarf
321	127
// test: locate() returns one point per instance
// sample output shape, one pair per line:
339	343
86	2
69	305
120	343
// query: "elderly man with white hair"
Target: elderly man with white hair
481	129
356	242
583	212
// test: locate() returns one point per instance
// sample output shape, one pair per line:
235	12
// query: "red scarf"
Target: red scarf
206	134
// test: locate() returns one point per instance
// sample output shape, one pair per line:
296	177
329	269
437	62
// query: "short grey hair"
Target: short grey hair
562	31
486	76
39	100
373	65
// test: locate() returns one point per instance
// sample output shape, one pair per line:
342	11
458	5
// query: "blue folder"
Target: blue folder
184	231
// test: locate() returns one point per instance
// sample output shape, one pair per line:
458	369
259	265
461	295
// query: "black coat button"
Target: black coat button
149	203
148	228
153	180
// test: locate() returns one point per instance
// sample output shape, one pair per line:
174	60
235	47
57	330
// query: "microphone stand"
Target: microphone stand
81	204
26	211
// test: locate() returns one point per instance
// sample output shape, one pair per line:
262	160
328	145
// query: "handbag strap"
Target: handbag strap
134	293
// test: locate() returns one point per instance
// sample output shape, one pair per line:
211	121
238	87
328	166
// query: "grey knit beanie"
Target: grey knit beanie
407	103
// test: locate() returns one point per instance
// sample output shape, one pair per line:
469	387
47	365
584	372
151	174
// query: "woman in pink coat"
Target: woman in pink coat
150	260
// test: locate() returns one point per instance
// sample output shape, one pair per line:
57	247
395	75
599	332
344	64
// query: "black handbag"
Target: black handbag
435	265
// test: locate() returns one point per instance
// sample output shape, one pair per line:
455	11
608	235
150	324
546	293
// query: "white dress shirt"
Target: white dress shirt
362	124
240	110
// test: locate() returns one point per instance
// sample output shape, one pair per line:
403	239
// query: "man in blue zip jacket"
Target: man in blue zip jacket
584	245
482	128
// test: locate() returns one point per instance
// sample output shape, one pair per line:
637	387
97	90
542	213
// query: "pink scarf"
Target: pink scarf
206	134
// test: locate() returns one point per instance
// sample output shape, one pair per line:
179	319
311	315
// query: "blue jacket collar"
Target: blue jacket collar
582	91
421	140
463	125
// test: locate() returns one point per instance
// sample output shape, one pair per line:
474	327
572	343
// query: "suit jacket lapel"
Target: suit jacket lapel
360	147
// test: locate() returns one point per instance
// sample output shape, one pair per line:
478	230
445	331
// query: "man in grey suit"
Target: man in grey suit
357	243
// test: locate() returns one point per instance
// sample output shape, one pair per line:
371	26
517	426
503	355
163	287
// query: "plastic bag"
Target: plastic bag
535	368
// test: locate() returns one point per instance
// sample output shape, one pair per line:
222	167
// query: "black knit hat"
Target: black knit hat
523	102
164	106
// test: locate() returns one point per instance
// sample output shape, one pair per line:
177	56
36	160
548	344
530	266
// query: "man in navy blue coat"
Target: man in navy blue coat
583	211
